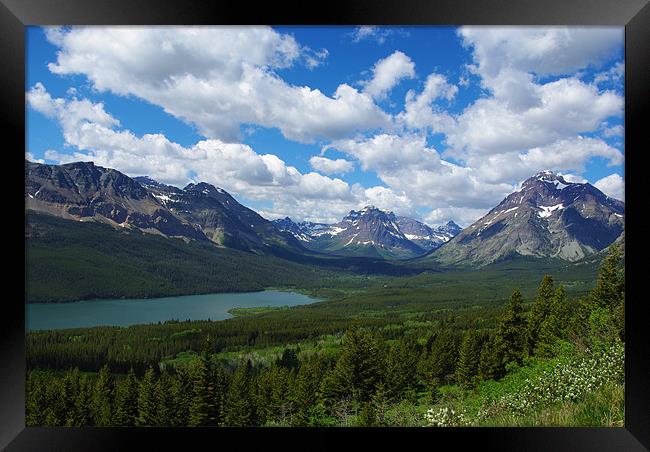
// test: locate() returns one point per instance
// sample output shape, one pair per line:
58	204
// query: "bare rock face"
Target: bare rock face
86	192
547	217
221	218
426	237
83	191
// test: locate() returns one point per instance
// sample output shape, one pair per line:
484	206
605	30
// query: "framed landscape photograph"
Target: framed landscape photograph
406	220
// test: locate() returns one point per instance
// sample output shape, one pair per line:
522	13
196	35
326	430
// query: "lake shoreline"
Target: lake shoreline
136	311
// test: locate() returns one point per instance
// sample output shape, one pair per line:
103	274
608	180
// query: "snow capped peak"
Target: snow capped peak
551	179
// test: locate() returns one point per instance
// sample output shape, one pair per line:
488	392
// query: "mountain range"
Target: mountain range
370	232
547	217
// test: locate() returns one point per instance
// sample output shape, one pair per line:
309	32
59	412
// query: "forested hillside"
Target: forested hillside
69	261
528	362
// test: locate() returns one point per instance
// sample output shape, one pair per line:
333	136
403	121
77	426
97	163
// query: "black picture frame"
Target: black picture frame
633	14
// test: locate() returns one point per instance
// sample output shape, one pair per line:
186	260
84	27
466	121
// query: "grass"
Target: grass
603	408
243	312
572	389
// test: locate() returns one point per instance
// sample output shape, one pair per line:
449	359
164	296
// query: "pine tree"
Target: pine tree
184	396
147	400
238	410
511	330
358	369
126	400
610	285
35	401
70	391
609	293
491	359
218	384
164	401
102	398
444	354
401	369
554	326
468	359
539	312
198	414
289	359
306	391
83	403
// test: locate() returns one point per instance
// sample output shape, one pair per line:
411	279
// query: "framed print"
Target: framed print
390	219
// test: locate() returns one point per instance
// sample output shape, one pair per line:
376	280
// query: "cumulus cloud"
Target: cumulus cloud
420	112
570	155
612	185
566	107
523	121
216	78
407	165
329	166
236	167
386	199
540	50
388	72
462	216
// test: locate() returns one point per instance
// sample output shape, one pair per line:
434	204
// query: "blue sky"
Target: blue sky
437	123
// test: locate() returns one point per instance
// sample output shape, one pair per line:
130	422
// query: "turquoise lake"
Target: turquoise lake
125	312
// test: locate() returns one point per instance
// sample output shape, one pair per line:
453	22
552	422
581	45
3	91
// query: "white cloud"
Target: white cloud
329	166
314	58
386	199
461	215
385	152
565	108
236	167
573	178
540	50
407	165
524	121
570	155
216	78
614	74
388	72
370	32
612	185
29	156
616	131
419	111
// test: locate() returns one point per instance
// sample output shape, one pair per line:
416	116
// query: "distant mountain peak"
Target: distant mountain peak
204	188
370	231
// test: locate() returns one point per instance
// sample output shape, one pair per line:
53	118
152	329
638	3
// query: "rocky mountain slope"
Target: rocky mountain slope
85	192
221	218
547	217
425	236
82	191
